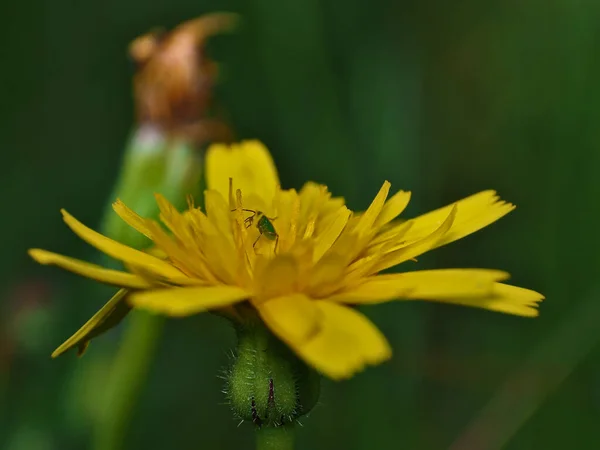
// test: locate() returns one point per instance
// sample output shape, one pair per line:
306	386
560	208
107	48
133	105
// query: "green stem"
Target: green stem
126	380
275	438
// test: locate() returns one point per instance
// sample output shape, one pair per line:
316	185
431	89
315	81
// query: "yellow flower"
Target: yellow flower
314	260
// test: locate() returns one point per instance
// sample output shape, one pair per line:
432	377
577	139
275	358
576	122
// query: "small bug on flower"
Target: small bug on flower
264	225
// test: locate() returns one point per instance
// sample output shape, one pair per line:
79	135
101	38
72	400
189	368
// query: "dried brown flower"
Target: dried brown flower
173	86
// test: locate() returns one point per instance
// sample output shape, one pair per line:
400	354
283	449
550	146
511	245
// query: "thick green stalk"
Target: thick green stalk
126	380
275	438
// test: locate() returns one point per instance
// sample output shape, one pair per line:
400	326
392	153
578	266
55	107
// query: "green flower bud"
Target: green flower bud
267	384
153	163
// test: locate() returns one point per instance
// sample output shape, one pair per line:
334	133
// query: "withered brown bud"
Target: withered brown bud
175	78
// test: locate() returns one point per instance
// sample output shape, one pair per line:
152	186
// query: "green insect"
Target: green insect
264	225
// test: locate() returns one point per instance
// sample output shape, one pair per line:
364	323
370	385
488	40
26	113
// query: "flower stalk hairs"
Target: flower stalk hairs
288	268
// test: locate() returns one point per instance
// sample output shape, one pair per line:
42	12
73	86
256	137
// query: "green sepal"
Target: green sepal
109	316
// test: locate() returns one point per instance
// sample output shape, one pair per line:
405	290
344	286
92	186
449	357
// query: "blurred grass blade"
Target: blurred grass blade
543	372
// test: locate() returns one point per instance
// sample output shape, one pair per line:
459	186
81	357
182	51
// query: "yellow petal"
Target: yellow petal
506	299
325	274
168	212
329	235
276	277
391	234
119	251
94	326
392	208
368	218
155	251
346	342
425	285
466	226
250	166
466	287
184	258
332	205
157	280
219	246
287	205
179	302
295	316
178	223
218	212
191	264
212	249
188	262
240	240
417	248
336	340
93	271
474	212
131	218
302	252
345	247
313	197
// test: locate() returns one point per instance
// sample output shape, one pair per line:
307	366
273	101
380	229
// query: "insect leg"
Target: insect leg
247	210
256	242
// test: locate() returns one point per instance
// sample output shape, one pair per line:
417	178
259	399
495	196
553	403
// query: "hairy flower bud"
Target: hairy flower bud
267	384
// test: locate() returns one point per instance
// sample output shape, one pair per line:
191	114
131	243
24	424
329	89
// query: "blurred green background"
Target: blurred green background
441	98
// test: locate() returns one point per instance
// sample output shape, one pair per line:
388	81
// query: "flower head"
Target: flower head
302	260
